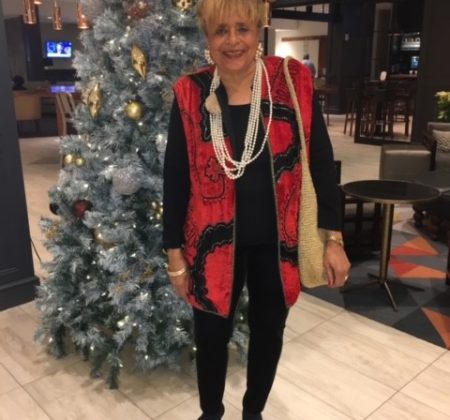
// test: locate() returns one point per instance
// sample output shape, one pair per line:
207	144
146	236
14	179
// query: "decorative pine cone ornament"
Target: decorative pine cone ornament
139	61
94	100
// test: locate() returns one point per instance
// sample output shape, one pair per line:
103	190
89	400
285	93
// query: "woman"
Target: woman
231	198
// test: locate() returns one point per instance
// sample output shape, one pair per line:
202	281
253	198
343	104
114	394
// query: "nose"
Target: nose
233	36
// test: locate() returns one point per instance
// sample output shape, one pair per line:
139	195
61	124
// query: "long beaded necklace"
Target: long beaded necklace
234	168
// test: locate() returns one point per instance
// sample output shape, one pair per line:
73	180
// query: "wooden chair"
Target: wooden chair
65	107
324	93
350	115
28	108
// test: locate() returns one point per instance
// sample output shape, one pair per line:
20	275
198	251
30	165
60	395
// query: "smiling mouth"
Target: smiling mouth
234	54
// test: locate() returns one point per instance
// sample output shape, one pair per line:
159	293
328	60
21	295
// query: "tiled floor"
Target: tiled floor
335	365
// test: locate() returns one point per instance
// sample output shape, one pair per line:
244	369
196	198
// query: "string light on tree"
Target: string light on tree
99	238
157	210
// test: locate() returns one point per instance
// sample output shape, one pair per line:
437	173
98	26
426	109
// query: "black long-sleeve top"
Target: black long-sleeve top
255	199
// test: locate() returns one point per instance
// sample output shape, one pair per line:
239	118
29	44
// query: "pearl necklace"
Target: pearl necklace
234	168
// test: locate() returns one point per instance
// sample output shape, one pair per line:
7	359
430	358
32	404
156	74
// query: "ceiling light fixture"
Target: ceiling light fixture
268	13
57	20
83	21
29	12
38	2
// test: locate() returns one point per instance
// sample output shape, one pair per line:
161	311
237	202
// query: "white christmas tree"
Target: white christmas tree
107	287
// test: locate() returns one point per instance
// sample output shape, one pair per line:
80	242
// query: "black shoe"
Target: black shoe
216	416
210	417
251	416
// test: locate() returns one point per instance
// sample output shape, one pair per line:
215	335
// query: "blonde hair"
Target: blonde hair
213	11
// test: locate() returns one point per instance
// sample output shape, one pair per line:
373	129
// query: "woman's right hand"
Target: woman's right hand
179	282
181	285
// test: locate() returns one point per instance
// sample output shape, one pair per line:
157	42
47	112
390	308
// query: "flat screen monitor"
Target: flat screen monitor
414	63
58	49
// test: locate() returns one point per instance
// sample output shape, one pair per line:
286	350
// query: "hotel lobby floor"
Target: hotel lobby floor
373	371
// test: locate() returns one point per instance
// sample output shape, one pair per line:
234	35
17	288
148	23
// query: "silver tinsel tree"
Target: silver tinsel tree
107	289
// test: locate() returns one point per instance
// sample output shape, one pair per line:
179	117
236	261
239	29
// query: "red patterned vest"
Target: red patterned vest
209	227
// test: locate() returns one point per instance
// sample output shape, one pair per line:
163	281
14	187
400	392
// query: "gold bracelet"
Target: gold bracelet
337	239
177	273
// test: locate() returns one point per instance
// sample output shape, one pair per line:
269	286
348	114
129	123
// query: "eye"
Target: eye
243	29
221	30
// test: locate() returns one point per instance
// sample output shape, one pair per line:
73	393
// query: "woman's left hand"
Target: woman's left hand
336	264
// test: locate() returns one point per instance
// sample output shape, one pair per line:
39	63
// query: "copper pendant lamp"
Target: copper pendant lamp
57	20
29	12
83	21
268	13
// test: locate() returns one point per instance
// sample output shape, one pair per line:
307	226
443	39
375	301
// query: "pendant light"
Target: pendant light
29	12
57	20
83	21
268	13
38	2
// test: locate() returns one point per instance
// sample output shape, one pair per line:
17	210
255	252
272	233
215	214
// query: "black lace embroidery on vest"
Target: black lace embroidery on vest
289	253
287	160
211	238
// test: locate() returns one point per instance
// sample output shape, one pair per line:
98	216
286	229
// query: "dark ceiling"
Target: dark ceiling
292	3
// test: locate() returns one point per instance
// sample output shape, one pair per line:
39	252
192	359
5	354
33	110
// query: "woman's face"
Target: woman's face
233	44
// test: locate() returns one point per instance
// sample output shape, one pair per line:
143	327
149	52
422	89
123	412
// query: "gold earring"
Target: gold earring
259	52
208	58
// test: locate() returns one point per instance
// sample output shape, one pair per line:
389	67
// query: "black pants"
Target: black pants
258	267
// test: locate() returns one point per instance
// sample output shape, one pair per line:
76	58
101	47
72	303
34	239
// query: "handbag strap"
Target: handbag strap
306	173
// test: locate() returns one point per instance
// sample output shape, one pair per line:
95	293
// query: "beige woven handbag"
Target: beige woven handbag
312	240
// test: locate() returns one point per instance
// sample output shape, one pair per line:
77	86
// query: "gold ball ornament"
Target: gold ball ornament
139	61
80	161
68	159
135	110
184	5
138	10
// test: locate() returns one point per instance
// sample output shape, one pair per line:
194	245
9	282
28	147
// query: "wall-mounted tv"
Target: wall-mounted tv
58	49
